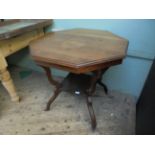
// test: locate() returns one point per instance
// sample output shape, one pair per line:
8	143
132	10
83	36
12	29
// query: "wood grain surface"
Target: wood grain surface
16	34
12	28
78	48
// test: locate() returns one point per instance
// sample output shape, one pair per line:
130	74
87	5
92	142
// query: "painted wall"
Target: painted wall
128	77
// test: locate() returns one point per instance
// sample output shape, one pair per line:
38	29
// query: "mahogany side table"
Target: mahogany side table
79	51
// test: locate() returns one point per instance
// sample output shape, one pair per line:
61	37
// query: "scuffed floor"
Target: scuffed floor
115	112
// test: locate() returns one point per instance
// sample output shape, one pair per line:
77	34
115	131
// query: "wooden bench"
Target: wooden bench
15	35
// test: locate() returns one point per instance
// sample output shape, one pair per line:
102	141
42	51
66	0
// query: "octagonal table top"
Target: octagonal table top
78	48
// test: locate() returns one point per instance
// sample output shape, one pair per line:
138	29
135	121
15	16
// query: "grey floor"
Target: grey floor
115	112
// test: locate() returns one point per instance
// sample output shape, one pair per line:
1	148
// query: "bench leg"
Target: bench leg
8	84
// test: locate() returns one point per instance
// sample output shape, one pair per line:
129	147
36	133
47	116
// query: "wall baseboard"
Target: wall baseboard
141	55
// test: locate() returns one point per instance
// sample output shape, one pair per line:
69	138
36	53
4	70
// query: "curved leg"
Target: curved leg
56	93
53	82
103	85
49	76
89	93
91	112
8	84
99	81
94	80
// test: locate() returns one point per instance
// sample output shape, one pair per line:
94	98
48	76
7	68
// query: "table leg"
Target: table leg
80	81
8	84
91	112
99	81
89	93
56	93
53	82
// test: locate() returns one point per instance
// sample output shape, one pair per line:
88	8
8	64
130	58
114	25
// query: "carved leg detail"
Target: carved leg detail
68	84
99	81
89	93
53	82
103	85
91	112
49	76
8	84
56	93
95	77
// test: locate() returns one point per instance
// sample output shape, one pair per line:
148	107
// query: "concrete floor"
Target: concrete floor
115	112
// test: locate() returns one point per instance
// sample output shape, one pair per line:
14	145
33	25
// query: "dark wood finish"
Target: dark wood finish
99	81
79	70
49	76
79	51
12	28
57	85
145	115
82	83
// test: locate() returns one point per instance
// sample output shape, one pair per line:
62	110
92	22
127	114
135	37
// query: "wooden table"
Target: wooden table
15	35
79	51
